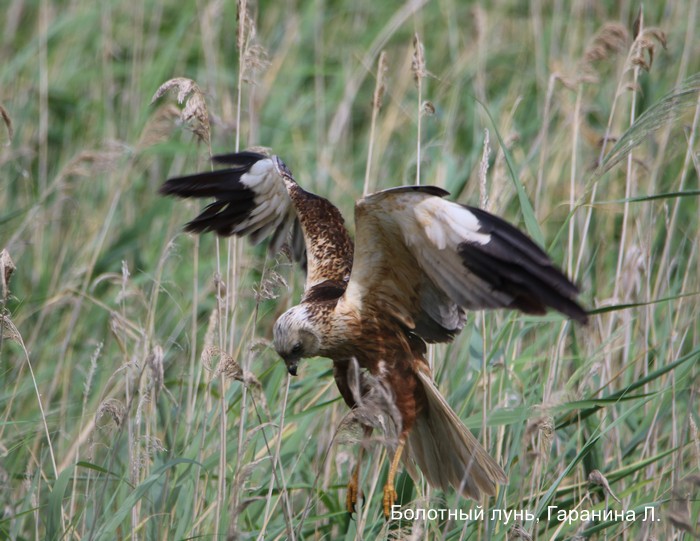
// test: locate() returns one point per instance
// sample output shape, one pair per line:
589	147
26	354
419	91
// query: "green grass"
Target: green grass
120	417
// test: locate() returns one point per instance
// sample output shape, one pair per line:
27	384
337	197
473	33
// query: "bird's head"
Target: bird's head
295	337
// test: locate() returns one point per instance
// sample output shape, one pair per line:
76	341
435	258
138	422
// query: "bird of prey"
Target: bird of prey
418	262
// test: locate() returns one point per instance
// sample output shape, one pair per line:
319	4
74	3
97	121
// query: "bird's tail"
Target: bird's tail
446	451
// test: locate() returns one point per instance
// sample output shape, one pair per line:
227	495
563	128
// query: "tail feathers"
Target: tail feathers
446	451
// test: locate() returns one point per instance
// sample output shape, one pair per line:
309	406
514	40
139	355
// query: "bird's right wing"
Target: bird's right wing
251	200
257	197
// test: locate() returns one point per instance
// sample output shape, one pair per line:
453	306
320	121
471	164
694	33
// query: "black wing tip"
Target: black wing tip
427	189
571	307
182	187
565	294
565	306
245	158
540	285
167	188
582	318
200	228
201	184
179	186
525	272
221	182
577	312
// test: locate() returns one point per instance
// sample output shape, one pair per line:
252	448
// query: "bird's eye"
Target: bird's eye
297	348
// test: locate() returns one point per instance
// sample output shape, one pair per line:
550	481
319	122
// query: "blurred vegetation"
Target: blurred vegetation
139	396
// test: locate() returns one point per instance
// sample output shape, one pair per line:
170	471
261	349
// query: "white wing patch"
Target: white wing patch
272	204
260	172
433	228
447	224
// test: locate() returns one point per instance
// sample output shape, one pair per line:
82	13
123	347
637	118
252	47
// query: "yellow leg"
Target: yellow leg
389	490
354	484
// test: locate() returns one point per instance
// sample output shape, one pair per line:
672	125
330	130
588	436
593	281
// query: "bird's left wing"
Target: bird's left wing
423	259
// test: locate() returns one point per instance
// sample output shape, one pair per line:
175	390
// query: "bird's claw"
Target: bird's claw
390	497
352	495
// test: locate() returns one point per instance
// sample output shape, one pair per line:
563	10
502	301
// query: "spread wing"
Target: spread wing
258	197
250	199
423	259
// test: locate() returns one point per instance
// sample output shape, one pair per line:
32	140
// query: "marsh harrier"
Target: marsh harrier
418	262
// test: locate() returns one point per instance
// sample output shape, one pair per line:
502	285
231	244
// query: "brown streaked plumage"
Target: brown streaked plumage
419	262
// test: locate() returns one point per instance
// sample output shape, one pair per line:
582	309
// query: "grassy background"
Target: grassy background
139	397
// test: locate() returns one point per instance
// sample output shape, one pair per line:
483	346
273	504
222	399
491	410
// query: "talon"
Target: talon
354	484
353	493
390	497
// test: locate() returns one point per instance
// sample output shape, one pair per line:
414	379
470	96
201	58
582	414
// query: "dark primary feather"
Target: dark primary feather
513	263
425	189
234	201
215	183
259	198
244	159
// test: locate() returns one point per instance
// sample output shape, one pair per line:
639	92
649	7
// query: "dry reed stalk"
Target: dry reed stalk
7	269
252	58
483	173
379	89
10	332
689	164
419	73
636	61
194	114
7	121
196	117
630	178
244	23
278	475
610	41
87	386
342	116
